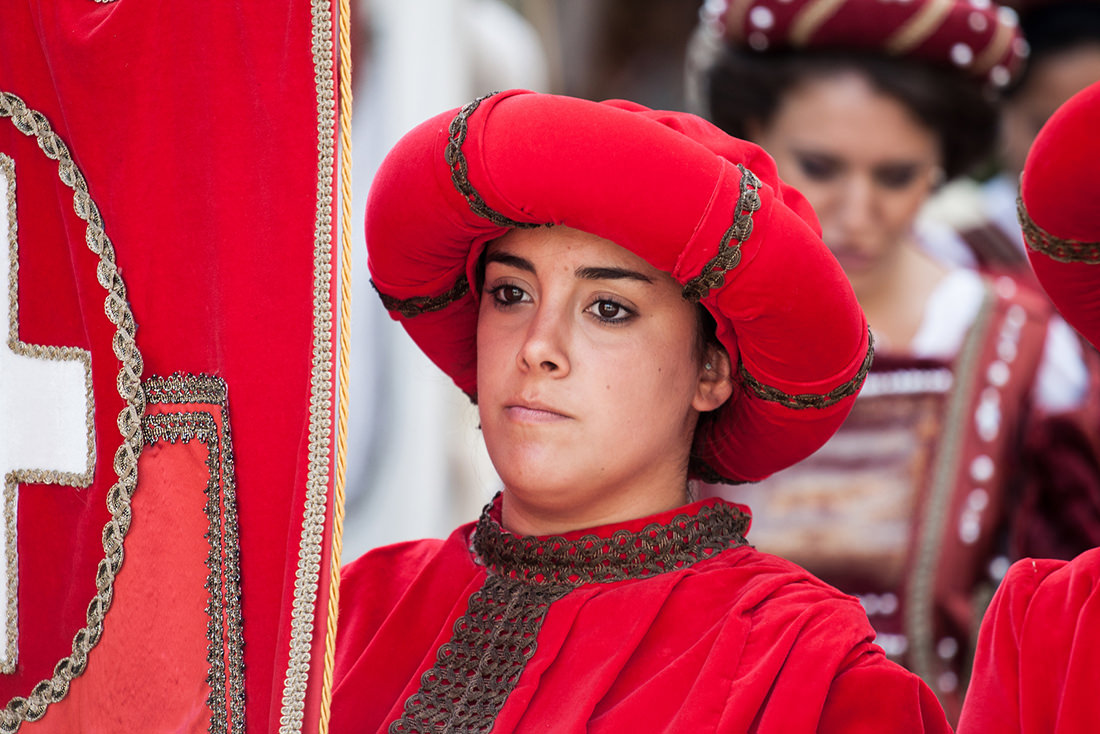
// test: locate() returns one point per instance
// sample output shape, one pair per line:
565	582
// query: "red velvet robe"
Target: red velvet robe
671	624
1037	667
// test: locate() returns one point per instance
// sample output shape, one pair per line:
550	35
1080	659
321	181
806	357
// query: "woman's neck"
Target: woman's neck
895	300
524	515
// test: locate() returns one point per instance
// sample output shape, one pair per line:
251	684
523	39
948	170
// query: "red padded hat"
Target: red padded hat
980	37
1059	209
704	207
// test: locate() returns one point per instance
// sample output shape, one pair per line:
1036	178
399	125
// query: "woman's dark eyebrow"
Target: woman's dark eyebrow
514	261
585	273
596	273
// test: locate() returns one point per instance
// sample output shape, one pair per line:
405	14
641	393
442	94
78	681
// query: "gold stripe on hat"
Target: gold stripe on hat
918	28
812	17
1002	38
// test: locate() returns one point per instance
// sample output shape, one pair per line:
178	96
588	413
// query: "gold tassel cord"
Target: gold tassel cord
343	356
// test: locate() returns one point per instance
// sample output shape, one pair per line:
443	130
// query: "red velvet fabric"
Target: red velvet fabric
196	128
1060	189
664	185
1035	668
739	642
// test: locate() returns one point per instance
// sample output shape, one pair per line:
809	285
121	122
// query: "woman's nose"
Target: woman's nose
545	345
856	205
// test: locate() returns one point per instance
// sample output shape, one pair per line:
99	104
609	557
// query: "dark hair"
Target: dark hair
1052	28
706	333
743	86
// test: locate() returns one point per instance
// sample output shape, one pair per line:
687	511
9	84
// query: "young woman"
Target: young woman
956	457
634	299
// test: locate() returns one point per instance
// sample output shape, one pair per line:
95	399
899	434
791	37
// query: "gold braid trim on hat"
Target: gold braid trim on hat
729	256
1056	248
812	16
456	160
811	400
416	305
919	27
994	50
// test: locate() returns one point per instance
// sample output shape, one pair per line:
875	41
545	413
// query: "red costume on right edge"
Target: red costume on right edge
1035	669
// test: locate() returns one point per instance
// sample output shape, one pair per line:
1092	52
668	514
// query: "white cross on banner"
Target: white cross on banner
46	410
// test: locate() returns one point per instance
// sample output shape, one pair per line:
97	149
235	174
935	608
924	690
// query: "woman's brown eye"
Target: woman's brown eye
508	294
609	310
896	177
818	168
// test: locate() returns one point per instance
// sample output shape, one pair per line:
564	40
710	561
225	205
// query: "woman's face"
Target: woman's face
865	164
589	380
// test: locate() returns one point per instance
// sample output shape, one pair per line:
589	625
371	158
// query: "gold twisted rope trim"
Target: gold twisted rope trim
51	690
714	272
1056	248
811	400
343	357
315	511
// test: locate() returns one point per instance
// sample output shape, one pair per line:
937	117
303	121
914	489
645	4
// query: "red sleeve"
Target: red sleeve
993	698
369	587
875	696
814	647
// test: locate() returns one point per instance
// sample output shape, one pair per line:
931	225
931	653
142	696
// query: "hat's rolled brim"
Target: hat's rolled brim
1059	210
705	207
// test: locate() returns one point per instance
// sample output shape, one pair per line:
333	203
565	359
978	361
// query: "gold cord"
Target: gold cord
343	357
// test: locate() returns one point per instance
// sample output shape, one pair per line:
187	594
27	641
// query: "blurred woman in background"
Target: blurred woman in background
944	471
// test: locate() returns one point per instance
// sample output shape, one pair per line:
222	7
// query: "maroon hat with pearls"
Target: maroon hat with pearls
980	37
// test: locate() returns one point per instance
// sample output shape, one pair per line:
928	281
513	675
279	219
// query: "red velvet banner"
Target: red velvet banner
166	388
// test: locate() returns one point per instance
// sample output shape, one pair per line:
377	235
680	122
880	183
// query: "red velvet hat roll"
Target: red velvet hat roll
977	36
670	187
1059	210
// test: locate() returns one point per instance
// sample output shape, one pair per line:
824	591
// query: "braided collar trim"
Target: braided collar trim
659	547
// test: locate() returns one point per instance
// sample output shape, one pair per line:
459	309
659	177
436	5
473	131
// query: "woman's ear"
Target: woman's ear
715	380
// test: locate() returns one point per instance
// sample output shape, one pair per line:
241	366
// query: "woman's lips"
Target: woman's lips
528	413
853	260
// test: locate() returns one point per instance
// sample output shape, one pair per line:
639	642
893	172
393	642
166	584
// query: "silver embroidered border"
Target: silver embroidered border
225	626
51	690
920	589
36	476
311	542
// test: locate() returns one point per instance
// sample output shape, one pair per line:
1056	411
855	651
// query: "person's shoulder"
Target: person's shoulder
818	646
769	588
409	555
1038	593
394	567
1046	582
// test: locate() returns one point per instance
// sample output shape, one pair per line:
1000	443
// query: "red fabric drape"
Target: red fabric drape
206	147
